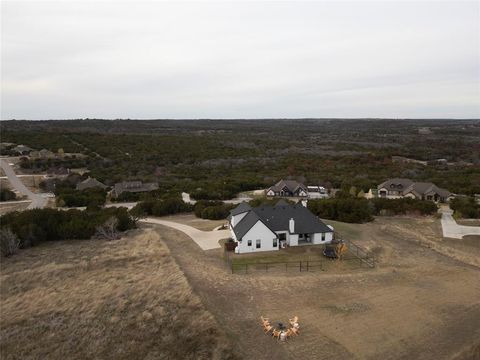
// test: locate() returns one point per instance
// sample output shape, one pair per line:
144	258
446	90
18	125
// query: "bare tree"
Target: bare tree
9	242
108	230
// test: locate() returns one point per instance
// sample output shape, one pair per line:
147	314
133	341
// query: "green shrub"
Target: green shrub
7	195
9	242
465	207
38	225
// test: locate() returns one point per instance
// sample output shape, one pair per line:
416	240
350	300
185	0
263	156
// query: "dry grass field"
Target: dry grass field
125	299
138	299
419	303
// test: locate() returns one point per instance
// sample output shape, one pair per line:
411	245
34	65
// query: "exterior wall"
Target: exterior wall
292	240
410	195
317	238
236	218
258	232
270	193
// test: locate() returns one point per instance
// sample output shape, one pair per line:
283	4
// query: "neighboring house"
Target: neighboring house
133	187
22	149
90	183
268	228
400	187
289	188
59	171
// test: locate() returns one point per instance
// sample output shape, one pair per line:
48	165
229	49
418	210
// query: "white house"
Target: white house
268	228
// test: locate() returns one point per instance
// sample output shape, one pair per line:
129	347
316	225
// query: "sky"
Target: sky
157	60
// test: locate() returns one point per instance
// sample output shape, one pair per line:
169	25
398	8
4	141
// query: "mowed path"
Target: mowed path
206	240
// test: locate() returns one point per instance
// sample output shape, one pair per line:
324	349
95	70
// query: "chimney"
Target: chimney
291	226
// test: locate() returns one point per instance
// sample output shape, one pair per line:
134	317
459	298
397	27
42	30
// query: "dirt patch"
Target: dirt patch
415	299
125	299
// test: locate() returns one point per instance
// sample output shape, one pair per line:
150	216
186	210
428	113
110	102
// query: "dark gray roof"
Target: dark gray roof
90	183
245	224
243	207
281	202
423	188
291	185
277	219
134	186
398	184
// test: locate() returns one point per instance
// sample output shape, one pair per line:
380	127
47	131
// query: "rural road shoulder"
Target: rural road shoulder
451	229
38	201
206	240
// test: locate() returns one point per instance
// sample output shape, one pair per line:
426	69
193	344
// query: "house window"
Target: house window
259	244
300	236
249	242
323	236
282	236
274	243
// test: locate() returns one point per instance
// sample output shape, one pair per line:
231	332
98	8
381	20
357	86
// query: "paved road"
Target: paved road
207	240
38	200
451	229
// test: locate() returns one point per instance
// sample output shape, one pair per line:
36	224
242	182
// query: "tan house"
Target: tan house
399	188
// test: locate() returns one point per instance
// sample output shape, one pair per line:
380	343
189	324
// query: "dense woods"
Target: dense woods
217	159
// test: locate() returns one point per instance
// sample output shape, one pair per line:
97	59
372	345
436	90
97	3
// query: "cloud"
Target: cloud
240	60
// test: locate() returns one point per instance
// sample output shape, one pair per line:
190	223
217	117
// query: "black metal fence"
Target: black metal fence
356	257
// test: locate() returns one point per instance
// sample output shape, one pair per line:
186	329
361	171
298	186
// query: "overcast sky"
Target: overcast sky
240	60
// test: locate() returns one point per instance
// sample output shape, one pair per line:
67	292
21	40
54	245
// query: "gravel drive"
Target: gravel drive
451	229
207	240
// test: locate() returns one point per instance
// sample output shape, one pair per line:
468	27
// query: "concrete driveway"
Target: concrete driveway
207	240
451	229
38	201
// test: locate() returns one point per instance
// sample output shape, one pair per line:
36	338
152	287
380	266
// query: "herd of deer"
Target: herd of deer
281	334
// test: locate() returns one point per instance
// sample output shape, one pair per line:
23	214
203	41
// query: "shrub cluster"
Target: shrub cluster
161	207
38	225
351	210
403	206
92	197
359	210
7	195
212	210
465	207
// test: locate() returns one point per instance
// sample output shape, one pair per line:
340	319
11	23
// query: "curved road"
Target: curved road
207	240
38	201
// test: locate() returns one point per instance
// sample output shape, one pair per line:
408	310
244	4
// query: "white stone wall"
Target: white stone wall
317	238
